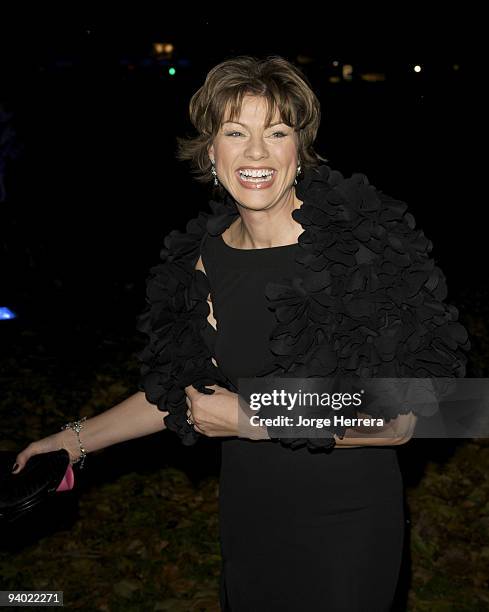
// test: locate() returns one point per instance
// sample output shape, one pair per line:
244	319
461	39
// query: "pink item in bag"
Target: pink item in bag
68	481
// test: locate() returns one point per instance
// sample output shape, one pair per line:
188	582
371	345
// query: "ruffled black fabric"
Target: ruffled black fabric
370	302
175	355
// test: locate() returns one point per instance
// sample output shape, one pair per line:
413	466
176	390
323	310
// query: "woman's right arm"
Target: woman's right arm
134	417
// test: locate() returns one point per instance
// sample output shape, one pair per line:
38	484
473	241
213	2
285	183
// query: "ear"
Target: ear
210	150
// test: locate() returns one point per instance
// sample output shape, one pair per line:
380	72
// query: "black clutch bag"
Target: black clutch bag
42	476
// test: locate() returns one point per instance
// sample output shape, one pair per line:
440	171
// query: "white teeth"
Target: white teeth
256	173
256	179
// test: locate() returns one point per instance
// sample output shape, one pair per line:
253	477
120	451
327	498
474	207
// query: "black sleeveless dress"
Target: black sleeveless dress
299	531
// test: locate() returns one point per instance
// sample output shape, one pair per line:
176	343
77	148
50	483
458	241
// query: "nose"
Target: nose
256	149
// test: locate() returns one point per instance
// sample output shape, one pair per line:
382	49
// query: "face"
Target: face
249	145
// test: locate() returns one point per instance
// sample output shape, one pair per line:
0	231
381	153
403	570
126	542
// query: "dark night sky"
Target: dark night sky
97	188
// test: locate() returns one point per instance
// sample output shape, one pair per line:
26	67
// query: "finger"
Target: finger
190	391
21	459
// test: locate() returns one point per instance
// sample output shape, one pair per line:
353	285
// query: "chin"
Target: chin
264	203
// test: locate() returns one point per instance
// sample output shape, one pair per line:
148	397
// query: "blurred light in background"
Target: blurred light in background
6	313
302	58
163	49
347	72
417	68
372	77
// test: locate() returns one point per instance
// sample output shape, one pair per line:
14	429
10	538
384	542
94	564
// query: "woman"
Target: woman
297	277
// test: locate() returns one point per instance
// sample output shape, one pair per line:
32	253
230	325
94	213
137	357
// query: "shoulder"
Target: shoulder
392	277
383	224
358	224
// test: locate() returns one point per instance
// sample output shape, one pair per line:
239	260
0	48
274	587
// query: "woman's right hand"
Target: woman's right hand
64	439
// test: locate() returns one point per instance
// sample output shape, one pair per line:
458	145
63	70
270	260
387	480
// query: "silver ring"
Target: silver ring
188	419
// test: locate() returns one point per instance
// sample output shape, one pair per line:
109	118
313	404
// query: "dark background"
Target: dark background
96	187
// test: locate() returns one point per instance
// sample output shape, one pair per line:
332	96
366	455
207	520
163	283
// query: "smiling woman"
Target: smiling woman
306	274
290	262
216	106
259	170
297	273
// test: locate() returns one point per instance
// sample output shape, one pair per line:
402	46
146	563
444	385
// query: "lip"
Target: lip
256	168
257	186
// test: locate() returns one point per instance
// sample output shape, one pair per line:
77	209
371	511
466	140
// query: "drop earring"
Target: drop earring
298	172
214	173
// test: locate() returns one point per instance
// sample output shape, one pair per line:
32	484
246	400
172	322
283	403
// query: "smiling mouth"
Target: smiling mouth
258	181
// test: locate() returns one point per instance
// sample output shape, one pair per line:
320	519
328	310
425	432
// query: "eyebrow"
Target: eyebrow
271	125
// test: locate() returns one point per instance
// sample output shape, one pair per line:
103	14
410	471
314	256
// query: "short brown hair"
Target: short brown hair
280	82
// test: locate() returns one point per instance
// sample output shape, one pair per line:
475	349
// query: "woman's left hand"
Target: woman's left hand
214	414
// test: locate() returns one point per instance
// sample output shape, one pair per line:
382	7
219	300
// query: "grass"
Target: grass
140	529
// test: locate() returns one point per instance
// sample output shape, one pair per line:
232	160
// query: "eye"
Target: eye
281	133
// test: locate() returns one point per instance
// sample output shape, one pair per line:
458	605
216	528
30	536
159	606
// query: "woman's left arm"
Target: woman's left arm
394	433
221	414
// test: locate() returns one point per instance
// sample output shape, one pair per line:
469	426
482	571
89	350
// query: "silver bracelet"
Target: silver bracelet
76	426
